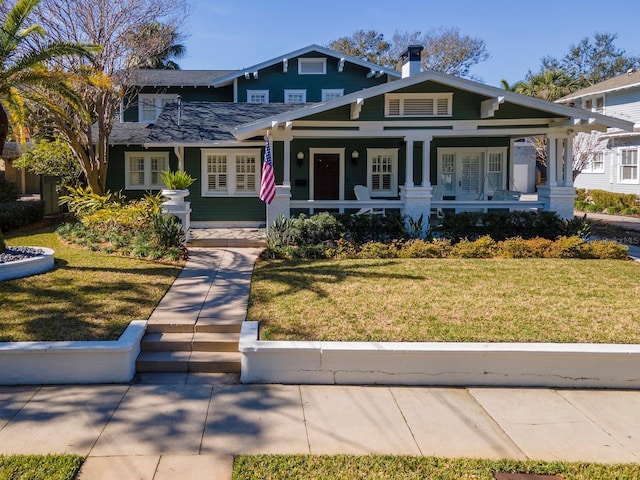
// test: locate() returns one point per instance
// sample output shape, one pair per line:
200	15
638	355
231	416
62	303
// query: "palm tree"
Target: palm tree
25	70
548	85
162	45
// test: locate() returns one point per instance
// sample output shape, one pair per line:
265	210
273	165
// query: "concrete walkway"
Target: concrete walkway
189	426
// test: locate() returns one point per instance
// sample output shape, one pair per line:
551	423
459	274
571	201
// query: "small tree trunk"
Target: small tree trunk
4	128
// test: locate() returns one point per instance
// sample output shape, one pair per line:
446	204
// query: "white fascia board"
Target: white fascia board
597	92
203	144
447	81
219	82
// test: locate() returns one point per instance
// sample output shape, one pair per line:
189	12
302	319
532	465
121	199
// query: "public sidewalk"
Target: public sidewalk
189	427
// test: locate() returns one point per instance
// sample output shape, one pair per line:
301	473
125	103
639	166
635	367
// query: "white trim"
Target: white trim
341	177
312	61
487	188
231	157
146	156
258	93
295	91
588	169
336	92
159	101
393	190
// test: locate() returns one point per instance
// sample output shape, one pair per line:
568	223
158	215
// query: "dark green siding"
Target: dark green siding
351	79
116	175
218	209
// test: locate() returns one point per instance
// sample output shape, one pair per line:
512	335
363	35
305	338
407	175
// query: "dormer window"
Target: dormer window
594	104
312	66
150	106
418	105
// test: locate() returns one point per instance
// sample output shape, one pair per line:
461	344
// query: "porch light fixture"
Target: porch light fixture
300	158
354	157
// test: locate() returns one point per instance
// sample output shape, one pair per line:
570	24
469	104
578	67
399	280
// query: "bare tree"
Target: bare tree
585	145
106	80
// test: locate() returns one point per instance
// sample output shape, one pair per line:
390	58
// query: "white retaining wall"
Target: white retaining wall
451	364
29	266
24	363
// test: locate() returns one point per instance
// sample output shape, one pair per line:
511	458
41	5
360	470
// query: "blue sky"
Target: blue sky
232	34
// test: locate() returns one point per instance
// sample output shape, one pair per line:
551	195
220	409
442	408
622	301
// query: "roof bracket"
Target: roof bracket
490	106
341	64
371	73
285	65
356	107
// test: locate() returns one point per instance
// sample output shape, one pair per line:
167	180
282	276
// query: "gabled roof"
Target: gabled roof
175	78
250	129
224	80
630	79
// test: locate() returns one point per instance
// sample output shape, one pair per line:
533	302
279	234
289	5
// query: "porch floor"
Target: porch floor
227	237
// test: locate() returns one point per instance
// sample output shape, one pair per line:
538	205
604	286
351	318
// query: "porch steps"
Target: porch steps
227	237
214	350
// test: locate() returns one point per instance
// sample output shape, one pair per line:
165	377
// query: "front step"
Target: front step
203	325
201	362
227	243
186	342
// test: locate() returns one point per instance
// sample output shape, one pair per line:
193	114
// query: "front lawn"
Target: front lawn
88	296
460	300
387	467
39	467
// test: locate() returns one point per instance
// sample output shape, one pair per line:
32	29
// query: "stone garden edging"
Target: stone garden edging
439	364
29	363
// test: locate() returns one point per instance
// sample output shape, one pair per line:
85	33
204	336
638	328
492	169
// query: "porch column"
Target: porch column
408	182
286	181
426	161
558	194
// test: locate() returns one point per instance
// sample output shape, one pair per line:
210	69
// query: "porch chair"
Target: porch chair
362	195
506	195
437	194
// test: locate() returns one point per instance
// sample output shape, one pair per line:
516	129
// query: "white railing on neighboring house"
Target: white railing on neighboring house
458	205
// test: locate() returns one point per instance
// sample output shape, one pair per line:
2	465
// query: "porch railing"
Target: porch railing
458	205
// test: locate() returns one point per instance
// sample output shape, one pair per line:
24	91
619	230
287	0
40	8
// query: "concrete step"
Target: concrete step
215	362
168	326
215	342
216	325
227	242
163	362
186	342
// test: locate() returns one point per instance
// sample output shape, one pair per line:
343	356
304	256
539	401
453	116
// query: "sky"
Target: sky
233	34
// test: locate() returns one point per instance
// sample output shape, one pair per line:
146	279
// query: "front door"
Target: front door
326	175
469	174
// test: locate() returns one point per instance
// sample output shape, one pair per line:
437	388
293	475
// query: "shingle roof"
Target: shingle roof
626	80
176	78
200	123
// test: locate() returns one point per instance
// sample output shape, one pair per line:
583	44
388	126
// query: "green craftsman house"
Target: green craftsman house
417	142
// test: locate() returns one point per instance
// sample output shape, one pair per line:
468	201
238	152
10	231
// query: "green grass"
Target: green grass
470	300
88	296
384	467
39	467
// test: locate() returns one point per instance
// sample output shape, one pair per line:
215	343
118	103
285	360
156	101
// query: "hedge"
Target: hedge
20	213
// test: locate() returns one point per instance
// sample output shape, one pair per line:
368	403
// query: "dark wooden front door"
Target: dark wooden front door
326	176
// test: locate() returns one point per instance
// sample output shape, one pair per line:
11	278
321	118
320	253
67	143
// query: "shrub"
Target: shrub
20	213
602	201
176	180
342	248
568	247
3	245
167	231
418	248
483	247
378	250
518	247
8	191
604	249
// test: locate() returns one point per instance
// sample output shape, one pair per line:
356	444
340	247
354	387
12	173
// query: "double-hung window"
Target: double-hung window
150	106
230	172
382	172
595	163
628	165
142	170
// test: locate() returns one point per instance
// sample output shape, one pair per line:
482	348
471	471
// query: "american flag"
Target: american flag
268	182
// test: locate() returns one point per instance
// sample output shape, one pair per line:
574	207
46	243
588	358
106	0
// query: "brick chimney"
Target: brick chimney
411	60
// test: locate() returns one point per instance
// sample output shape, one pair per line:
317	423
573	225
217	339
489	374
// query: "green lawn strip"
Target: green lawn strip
458	300
39	467
311	467
88	296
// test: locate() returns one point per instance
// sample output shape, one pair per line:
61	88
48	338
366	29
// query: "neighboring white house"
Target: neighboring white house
613	160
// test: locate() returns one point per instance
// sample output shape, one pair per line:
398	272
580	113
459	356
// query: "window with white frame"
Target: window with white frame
142	170
230	172
150	106
418	105
447	171
495	167
295	96
257	96
595	163
331	93
382	172
312	66
628	165
594	104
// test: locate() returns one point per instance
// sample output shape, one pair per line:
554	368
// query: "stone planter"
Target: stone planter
176	197
28	266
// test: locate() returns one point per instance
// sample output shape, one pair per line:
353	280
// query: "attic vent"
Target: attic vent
418	105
